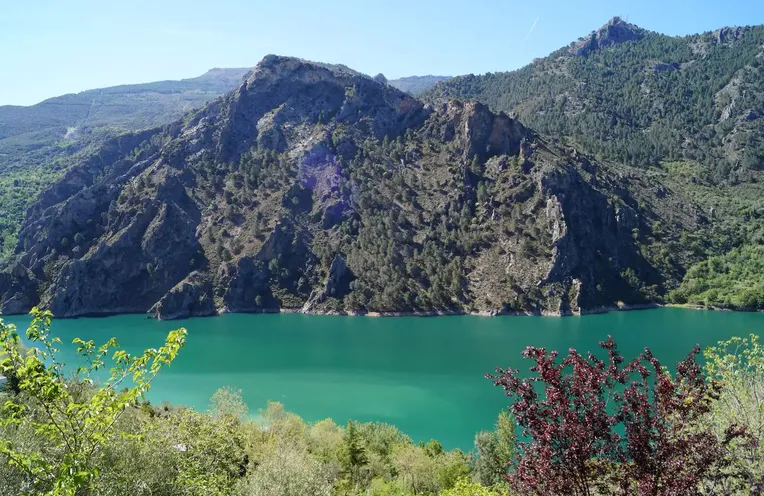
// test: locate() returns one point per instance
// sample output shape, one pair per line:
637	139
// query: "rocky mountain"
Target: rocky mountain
314	188
616	31
685	110
642	98
416	85
40	142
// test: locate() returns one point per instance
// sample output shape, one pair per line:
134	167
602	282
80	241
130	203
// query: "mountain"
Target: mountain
688	111
314	188
40	142
642	98
133	106
416	85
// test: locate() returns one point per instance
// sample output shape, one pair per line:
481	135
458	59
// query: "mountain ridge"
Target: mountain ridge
316	190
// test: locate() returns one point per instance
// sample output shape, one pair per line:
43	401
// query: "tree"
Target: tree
416	470
75	418
575	435
354	454
487	467
506	437
287	471
495	451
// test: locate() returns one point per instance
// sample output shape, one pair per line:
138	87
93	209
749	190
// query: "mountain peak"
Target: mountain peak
615	31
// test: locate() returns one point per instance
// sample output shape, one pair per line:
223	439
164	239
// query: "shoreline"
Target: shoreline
425	314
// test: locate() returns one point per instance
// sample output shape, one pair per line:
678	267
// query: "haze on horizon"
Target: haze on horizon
67	48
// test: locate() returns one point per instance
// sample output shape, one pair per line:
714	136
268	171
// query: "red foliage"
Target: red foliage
599	423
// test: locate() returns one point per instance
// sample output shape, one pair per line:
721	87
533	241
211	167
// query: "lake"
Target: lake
423	374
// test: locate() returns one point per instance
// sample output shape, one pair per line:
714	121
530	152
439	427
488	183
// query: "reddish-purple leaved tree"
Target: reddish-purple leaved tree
599	424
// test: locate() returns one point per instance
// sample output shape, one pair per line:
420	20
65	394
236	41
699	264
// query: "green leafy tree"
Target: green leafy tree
495	451
75	419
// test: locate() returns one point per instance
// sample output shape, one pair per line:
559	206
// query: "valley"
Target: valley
215	251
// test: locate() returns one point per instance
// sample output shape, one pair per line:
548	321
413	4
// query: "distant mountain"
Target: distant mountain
130	107
416	85
317	189
40	142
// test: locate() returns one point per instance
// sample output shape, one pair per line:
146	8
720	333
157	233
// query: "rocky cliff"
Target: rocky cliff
615	31
314	188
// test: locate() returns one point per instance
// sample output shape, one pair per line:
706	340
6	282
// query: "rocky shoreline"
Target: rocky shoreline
434	313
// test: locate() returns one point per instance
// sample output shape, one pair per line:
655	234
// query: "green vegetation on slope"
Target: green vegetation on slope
733	280
689	110
362	200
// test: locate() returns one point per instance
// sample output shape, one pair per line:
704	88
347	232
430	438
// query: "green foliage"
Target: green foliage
288	471
738	365
464	487
733	280
494	451
353	457
75	422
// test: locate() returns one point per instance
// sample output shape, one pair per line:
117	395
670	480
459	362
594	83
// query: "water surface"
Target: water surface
423	374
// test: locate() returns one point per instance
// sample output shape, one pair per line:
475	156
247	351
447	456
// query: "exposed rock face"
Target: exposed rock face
336	285
293	91
590	242
243	283
478	131
315	188
615	31
728	34
192	297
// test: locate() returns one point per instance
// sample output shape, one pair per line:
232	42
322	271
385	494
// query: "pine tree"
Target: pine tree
355	453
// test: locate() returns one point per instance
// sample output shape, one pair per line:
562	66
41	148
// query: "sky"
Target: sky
54	47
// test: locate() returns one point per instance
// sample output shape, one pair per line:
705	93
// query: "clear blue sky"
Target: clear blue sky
52	47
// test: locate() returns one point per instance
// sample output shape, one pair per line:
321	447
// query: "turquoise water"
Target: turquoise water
425	375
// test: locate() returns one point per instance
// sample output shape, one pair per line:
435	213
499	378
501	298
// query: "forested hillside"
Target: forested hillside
626	158
640	98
